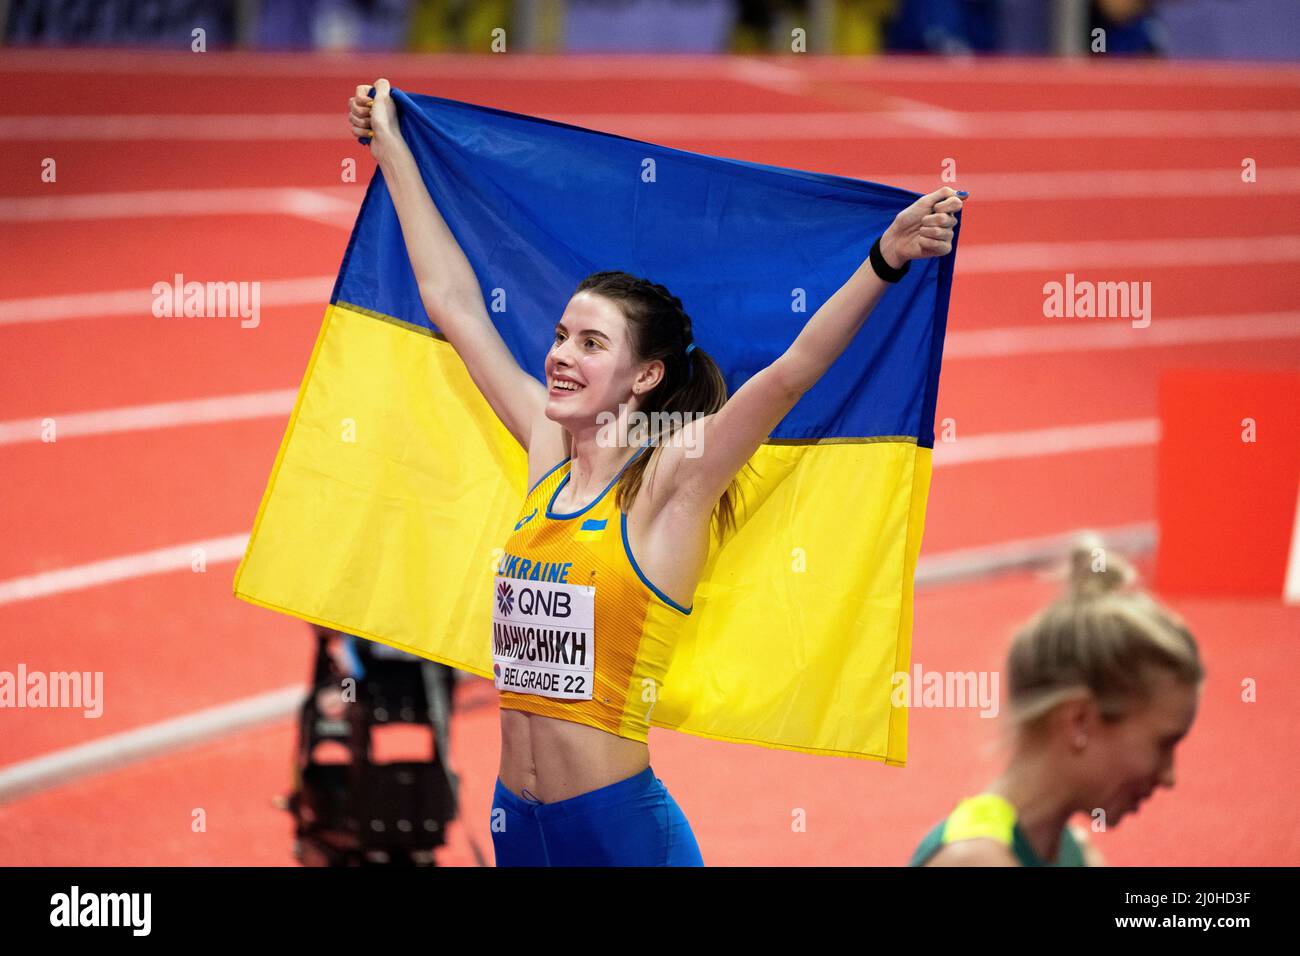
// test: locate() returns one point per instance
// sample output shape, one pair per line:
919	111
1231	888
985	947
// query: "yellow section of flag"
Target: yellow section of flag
396	485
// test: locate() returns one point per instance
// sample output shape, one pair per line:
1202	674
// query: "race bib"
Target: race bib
543	638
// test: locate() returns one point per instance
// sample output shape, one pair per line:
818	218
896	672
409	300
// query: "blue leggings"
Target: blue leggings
634	822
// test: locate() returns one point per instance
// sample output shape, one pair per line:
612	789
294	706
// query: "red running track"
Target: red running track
173	643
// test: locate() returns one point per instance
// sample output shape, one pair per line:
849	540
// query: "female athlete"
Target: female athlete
593	587
1104	683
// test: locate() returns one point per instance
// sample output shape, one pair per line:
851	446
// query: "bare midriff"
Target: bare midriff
557	759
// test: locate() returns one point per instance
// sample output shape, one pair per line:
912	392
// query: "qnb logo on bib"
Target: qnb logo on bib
505	598
543	638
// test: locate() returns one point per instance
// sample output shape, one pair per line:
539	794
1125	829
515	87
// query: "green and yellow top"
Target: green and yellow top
992	817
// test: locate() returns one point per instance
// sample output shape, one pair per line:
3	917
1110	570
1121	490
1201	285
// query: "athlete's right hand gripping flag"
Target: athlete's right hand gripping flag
396	485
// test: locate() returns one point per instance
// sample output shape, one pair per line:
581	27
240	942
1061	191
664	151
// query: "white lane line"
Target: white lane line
143	743
131	418
777	77
1127	254
124	568
1035	72
780	78
1041	442
1291	585
1078	335
231	128
968	564
332	206
1003	446
974	259
311	290
401	68
935	119
589	66
802	125
1068	184
338	205
934	122
1001	124
977	344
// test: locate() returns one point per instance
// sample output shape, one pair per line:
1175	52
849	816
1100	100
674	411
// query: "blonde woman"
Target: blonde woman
1103	685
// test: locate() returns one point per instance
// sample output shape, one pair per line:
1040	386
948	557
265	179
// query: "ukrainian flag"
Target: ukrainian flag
395	485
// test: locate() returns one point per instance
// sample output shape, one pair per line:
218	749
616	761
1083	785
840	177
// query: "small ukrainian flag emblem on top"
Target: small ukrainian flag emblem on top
592	530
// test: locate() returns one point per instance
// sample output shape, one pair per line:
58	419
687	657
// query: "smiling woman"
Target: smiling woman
650	325
598	577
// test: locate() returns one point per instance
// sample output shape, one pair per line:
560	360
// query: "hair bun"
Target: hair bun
1095	570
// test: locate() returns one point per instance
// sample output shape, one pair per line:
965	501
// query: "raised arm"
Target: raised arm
730	436
448	287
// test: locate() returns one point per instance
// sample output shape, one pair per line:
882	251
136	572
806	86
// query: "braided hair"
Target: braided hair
659	327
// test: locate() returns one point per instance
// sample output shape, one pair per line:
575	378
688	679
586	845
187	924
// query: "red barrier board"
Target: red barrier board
1228	478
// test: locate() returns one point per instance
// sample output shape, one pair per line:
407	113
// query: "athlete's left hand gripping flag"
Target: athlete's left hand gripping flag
396	485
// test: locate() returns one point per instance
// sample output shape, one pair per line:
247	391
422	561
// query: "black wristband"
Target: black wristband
883	268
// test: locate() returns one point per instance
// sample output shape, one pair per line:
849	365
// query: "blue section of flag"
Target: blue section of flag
538	205
594	524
